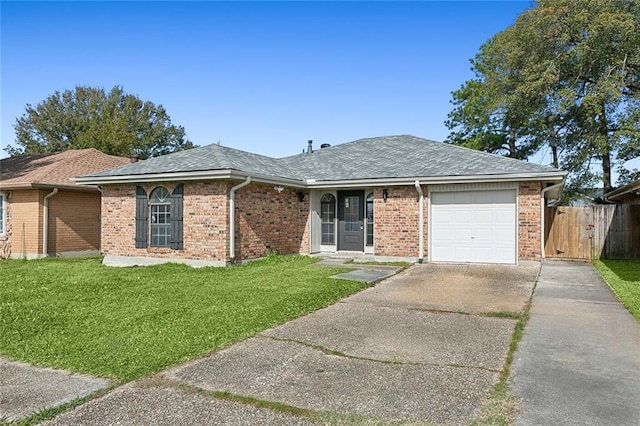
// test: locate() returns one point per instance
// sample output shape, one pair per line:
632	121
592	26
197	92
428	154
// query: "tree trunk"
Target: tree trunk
513	153
606	151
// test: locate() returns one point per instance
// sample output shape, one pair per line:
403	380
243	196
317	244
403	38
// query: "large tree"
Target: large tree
115	123
565	76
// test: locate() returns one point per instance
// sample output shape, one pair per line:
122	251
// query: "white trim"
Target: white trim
426	180
45	220
313	183
3	213
186	176
420	221
232	218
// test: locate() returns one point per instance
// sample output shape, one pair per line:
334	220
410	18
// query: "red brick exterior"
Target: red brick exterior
268	220
529	221
206	225
395	221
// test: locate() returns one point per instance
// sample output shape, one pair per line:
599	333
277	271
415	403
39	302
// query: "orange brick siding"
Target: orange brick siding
395	226
268	220
529	221
26	222
74	222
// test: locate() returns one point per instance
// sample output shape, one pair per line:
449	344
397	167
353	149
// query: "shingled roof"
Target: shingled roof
54	170
381	158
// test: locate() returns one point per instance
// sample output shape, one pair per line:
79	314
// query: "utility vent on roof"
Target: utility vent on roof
325	145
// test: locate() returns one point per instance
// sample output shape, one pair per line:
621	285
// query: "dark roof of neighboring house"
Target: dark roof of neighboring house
390	157
54	170
630	190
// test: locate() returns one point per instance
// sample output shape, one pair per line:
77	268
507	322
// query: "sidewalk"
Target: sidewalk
579	359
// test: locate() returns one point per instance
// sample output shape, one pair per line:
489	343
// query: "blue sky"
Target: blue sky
258	76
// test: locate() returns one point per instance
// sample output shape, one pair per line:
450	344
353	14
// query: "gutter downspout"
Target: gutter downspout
45	220
421	222
542	205
232	219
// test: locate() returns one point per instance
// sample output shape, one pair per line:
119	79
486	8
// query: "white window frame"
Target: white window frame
152	225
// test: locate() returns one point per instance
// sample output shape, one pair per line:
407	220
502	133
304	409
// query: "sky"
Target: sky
263	77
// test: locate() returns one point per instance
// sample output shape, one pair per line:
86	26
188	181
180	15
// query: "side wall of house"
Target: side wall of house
74	222
529	221
26	223
205	221
268	220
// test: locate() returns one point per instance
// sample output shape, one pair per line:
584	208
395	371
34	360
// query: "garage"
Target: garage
476	226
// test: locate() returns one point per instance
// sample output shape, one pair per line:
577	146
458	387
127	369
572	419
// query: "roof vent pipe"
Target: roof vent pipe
325	145
310	147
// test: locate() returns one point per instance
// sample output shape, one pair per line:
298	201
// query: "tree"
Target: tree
115	123
565	76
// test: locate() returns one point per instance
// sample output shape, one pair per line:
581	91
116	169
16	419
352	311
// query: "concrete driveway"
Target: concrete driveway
579	359
416	347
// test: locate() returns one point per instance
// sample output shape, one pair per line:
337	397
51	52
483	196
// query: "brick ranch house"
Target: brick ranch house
388	196
43	212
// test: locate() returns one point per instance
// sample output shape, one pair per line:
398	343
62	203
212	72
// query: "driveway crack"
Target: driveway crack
328	351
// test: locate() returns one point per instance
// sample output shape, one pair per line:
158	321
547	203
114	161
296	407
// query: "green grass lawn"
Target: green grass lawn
128	322
624	278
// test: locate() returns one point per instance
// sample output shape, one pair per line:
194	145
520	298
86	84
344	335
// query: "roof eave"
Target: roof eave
35	185
189	176
546	177
621	192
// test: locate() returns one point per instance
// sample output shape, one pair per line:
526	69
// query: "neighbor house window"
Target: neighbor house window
369	203
160	217
1	214
328	215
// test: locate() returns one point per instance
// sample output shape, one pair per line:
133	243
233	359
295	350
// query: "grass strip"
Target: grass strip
499	407
623	276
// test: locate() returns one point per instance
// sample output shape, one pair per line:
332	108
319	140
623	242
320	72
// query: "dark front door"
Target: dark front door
351	220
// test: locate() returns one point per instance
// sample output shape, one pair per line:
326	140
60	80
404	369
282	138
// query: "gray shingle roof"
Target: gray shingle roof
403	156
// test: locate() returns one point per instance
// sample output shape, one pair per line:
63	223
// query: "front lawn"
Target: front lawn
128	322
624	278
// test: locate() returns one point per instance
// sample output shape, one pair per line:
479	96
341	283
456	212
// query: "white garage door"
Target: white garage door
473	226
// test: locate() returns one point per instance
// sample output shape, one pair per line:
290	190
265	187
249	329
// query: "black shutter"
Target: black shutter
141	217
176	218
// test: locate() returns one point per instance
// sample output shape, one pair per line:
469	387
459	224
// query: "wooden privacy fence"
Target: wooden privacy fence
609	231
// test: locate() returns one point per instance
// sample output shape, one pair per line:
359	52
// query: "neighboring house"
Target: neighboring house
588	197
42	211
628	194
389	196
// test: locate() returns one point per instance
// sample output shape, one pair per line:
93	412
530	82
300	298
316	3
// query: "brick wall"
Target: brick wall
529	217
395	227
74	222
268	220
26	222
205	231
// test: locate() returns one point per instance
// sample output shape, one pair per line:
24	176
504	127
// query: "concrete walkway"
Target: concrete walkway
579	360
